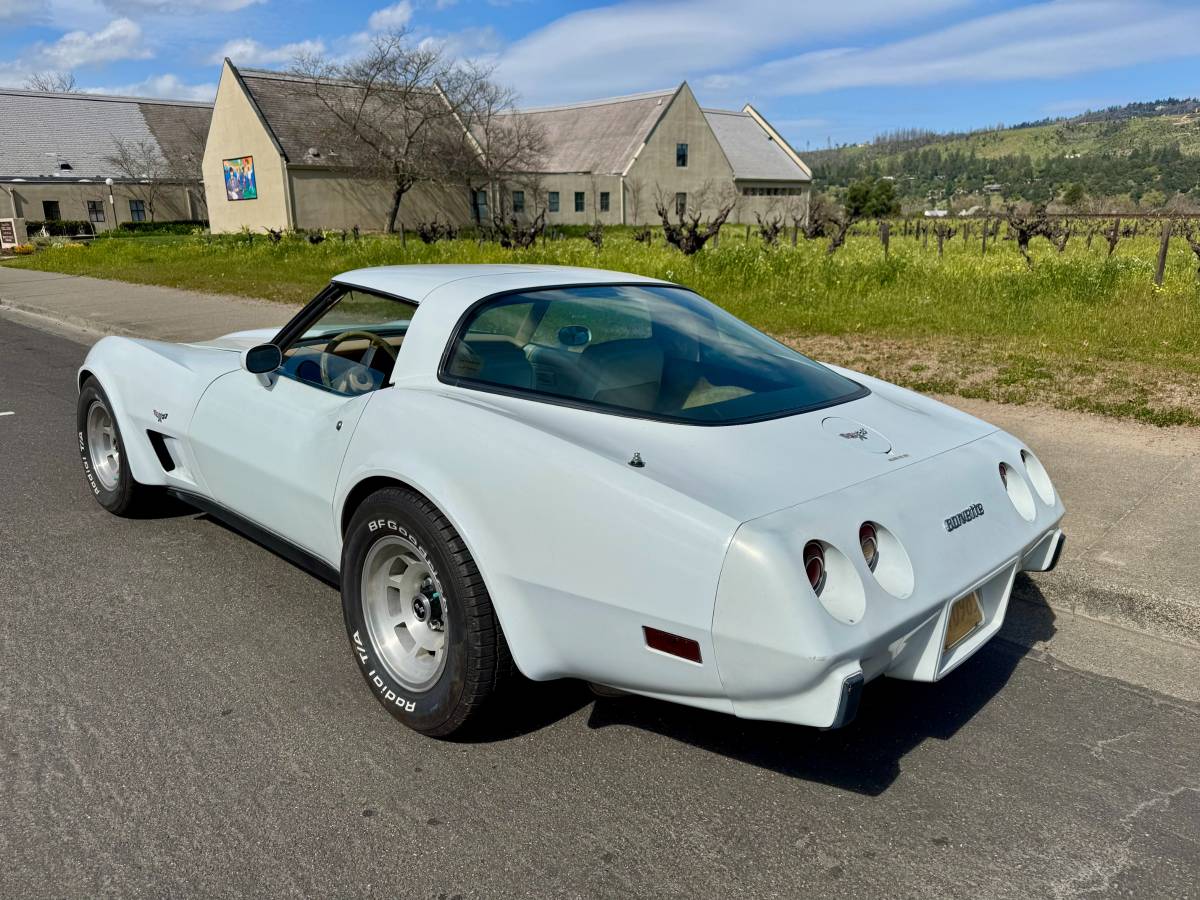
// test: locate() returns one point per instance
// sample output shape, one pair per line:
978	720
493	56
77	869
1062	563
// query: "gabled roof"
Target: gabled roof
754	152
41	131
599	136
297	112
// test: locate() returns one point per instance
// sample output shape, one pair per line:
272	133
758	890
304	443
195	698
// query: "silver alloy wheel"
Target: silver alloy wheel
103	450
405	612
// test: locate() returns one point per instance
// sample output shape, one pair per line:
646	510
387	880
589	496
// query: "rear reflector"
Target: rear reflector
664	641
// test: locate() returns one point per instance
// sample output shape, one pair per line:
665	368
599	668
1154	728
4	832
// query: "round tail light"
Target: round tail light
868	539
814	566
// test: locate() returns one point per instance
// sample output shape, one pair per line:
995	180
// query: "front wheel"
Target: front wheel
419	619
102	453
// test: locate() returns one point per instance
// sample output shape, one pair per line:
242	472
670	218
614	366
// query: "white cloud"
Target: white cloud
641	44
166	86
135	7
20	12
470	43
444	4
249	52
393	17
1044	40
119	39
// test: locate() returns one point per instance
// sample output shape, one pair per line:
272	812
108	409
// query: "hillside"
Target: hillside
1125	151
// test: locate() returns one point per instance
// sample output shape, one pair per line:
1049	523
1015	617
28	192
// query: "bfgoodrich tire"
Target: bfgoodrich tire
419	619
102	453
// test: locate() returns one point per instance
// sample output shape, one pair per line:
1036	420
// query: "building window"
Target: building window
479	205
604	201
137	210
681	155
518	201
553	201
95	210
579	201
680	204
50	210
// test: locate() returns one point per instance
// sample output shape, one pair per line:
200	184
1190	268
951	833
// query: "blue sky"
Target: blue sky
822	71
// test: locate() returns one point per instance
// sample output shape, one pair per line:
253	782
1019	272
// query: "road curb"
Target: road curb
77	328
1141	611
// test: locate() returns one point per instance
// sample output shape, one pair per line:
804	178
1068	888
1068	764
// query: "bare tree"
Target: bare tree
1026	226
53	82
431	232
1113	235
769	228
516	235
493	142
388	110
944	232
142	167
688	234
634	189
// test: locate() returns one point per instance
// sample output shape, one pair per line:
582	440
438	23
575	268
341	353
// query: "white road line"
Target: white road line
9	413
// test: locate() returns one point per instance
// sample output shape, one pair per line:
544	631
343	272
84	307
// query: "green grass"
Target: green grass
1079	330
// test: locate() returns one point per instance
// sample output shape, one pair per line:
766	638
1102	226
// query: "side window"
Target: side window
681	155
518	201
604	201
586	344
352	347
553	201
579	201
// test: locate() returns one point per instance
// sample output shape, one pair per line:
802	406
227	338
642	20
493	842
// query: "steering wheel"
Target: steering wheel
352	381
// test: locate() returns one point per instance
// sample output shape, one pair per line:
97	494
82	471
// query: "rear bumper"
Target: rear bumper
830	699
783	656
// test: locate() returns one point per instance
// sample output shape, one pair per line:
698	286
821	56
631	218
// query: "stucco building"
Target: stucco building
58	150
272	161
611	161
301	177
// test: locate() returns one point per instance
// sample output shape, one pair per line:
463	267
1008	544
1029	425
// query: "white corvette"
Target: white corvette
585	474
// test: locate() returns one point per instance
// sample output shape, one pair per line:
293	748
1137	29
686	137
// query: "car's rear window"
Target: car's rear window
645	350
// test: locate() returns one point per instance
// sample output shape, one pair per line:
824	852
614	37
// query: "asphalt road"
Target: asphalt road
180	716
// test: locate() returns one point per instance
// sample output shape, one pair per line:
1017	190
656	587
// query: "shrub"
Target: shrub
58	227
180	226
23	249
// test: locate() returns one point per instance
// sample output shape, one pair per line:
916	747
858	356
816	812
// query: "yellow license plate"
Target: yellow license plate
965	616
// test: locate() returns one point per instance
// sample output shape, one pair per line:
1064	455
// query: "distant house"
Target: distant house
57	150
271	130
936	213
607	161
611	160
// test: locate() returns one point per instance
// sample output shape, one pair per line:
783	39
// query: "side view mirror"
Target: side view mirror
262	359
574	335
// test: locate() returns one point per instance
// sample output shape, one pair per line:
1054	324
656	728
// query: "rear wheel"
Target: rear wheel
419	619
102	453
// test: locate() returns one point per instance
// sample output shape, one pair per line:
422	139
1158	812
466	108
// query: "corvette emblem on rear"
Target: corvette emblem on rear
861	435
972	512
159	416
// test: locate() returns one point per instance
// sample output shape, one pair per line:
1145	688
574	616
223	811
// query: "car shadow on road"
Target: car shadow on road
894	717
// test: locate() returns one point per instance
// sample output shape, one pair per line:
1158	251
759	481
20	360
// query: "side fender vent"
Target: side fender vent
159	443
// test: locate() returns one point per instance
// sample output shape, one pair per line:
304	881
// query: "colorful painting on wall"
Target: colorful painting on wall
239	178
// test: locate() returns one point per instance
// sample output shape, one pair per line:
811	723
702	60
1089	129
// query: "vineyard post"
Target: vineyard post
885	231
747	234
925	237
1162	253
986	226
